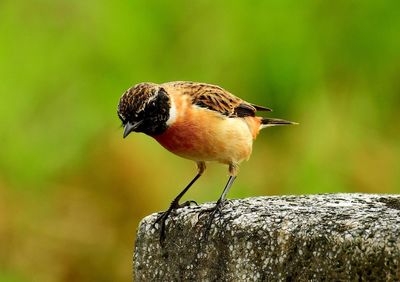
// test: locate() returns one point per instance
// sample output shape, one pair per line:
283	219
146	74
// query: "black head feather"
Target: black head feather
145	104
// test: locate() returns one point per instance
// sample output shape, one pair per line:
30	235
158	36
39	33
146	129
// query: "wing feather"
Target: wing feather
217	99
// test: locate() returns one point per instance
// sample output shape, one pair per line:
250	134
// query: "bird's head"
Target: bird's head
144	108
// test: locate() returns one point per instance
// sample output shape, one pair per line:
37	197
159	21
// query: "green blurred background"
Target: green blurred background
72	191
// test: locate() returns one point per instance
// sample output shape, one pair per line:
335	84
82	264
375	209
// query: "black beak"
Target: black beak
129	127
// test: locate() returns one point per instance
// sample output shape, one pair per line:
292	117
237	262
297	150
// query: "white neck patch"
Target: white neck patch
172	112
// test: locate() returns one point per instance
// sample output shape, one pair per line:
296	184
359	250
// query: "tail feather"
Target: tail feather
268	122
261	108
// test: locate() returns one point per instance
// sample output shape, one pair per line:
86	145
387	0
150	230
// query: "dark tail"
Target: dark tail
267	122
261	108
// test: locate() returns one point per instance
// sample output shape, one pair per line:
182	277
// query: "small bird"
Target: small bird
197	121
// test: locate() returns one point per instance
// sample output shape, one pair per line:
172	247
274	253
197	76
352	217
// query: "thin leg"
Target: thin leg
218	205
175	203
226	189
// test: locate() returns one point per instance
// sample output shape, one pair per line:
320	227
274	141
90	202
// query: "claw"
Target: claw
162	218
213	211
188	203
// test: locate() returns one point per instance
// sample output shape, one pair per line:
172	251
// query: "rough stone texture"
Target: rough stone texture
337	237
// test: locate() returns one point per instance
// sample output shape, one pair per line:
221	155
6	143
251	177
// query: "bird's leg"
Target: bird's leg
218	206
221	200
175	203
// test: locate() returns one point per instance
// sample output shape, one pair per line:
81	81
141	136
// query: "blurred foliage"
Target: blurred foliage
72	191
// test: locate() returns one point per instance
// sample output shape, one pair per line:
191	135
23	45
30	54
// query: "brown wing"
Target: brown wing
218	99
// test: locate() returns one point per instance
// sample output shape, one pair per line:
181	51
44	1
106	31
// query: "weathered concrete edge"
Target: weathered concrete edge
374	201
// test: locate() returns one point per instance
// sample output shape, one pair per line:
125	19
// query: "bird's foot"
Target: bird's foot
162	218
187	204
213	211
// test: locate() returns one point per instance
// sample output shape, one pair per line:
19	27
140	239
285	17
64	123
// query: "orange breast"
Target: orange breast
191	140
203	135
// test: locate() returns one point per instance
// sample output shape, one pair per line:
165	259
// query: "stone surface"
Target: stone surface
291	238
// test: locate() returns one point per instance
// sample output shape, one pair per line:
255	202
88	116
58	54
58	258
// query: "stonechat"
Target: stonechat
197	121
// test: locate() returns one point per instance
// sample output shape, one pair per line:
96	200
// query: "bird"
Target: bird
197	121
